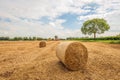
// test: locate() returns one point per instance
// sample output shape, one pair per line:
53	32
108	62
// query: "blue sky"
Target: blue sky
71	21
45	18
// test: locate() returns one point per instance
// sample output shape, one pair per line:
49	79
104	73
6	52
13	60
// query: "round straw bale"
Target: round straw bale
42	44
73	55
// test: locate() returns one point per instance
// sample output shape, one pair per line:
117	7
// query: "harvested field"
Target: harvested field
24	60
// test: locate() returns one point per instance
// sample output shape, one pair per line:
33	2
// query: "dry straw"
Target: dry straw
73	55
42	44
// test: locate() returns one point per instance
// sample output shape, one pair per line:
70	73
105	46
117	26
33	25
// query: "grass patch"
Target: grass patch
105	41
115	42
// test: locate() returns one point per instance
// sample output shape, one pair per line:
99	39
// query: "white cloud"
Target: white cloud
36	29
35	9
57	24
113	20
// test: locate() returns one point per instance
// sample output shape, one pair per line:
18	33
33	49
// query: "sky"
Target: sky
64	18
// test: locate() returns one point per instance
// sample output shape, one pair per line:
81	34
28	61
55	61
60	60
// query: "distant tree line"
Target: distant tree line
100	38
22	38
4	38
117	37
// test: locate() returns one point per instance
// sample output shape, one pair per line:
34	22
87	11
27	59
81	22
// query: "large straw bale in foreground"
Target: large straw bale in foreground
42	44
73	55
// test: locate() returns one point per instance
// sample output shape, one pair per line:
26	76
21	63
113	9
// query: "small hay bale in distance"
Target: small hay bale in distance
42	44
73	55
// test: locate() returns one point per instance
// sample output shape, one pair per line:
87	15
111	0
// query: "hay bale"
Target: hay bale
42	44
73	55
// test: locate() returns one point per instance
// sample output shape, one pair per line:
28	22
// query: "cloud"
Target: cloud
113	20
57	24
26	28
42	17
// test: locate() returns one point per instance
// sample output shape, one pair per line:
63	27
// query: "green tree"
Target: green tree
94	26
34	38
56	37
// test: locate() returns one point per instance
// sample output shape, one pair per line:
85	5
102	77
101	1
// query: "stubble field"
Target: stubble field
24	60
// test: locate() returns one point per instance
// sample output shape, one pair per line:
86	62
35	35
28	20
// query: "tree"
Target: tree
56	37
34	38
94	26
